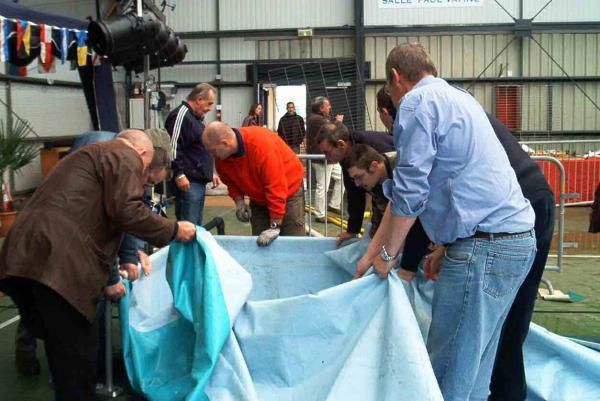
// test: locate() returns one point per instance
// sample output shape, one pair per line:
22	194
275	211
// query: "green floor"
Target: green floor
580	319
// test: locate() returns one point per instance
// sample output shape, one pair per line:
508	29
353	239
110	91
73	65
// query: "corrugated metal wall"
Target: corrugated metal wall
192	15
489	12
562	10
305	48
577	53
456	56
269	14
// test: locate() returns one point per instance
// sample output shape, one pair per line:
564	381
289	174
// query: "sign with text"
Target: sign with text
428	3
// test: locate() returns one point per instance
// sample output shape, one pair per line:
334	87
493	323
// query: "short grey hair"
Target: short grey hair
317	103
201	91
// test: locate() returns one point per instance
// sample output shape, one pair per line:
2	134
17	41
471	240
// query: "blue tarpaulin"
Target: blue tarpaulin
222	319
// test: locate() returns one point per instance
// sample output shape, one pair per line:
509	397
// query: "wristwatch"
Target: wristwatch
385	256
274	225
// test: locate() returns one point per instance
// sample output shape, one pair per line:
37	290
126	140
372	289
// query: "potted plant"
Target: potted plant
15	153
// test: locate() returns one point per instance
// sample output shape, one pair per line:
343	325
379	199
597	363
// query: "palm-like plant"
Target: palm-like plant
15	152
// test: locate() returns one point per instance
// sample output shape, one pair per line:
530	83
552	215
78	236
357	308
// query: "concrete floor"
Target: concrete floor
581	275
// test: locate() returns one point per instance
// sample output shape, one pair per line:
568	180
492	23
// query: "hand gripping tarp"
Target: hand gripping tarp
302	337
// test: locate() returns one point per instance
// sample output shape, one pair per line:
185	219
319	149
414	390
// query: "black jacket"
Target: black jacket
187	152
291	129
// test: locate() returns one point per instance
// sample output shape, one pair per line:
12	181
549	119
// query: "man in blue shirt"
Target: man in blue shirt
452	172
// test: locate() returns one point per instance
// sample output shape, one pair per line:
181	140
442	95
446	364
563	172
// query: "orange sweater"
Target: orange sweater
269	172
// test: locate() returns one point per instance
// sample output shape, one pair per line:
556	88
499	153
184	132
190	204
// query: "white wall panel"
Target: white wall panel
30	176
236	103
270	14
200	49
189	73
562	10
489	12
192	15
238	49
52	111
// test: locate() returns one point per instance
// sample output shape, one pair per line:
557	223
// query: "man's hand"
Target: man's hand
216	181
269	235
115	292
339	117
145	261
383	268
182	183
242	210
129	271
406	275
2	295
362	266
433	263
186	231
344	236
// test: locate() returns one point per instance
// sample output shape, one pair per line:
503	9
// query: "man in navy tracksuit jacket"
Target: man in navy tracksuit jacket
192	165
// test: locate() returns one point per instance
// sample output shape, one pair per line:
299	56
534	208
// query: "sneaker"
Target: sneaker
320	219
27	364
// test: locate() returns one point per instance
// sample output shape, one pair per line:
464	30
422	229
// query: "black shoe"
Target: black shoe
27	364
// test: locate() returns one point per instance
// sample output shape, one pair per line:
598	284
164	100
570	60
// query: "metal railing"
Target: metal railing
581	162
309	158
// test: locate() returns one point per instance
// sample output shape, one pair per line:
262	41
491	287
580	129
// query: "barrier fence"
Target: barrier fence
581	162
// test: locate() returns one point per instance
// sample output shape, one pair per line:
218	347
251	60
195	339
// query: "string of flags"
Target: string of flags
21	42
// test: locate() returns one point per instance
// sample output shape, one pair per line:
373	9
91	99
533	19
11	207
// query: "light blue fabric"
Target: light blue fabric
171	356
309	333
451	169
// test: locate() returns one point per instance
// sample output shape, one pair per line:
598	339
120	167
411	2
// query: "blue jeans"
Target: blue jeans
190	205
476	288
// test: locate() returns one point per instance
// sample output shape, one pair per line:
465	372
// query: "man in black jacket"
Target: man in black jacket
291	128
335	141
192	165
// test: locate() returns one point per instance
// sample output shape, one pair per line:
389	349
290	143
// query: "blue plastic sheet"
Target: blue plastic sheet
232	321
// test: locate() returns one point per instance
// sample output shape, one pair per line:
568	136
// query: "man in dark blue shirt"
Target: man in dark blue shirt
192	165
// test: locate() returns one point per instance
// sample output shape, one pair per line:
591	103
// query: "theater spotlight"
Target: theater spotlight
123	33
125	40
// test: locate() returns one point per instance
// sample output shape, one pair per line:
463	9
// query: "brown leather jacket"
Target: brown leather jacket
313	125
68	234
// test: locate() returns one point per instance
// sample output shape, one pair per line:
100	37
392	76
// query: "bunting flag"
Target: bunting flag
47	60
45	42
64	44
27	38
29	35
3	57
81	48
20	29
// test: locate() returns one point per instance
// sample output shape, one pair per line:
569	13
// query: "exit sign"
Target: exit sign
305	32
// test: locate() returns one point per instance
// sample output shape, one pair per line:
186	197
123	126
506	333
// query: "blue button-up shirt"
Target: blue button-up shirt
451	170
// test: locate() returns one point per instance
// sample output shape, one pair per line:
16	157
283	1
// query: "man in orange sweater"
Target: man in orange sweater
255	162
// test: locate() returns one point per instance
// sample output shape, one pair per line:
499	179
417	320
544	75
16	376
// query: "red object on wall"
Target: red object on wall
508	106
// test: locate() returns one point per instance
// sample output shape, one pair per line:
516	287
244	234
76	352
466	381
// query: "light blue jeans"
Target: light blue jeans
190	205
477	285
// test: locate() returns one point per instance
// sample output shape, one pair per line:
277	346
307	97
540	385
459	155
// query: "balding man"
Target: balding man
255	162
56	259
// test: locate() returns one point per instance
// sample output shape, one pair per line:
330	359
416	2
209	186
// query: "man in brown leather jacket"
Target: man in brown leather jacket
56	259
